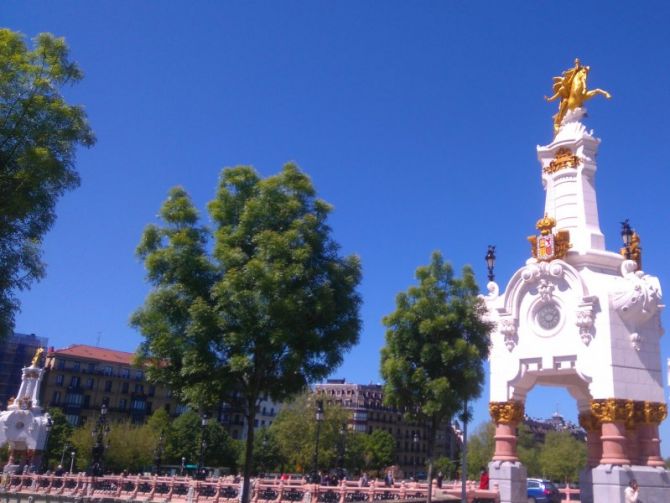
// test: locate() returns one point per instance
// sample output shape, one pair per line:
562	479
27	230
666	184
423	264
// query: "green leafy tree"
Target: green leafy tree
59	438
445	465
82	443
268	454
270	310
436	344
131	447
295	431
480	447
184	439
354	454
528	450
379	449
562	456
39	136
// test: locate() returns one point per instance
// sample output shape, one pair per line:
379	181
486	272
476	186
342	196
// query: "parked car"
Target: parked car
542	491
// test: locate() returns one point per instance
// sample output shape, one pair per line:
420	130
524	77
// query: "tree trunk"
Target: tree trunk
429	454
249	450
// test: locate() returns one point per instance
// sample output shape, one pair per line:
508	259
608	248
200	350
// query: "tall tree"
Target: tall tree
39	136
59	438
481	445
270	310
436	344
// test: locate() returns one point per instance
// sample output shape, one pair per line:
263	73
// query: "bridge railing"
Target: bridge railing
226	489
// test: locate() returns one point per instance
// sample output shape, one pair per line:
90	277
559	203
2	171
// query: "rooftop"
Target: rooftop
95	353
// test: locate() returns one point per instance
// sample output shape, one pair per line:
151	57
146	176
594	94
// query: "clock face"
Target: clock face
548	316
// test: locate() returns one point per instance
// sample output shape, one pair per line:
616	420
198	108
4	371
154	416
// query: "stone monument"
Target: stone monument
583	318
24	425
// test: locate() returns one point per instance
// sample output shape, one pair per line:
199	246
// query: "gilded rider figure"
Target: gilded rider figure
570	87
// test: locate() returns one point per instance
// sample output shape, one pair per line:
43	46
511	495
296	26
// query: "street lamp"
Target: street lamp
62	456
45	452
158	453
204	419
491	261
341	448
626	236
415	441
72	455
319	419
99	434
183	465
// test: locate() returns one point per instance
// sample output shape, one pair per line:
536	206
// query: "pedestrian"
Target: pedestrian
484	480
59	471
364	482
631	492
388	480
440	478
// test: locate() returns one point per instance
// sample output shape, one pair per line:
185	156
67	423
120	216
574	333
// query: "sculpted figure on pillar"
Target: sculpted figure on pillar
570	87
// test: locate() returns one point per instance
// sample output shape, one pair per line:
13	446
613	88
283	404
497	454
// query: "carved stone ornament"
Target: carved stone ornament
510	412
631	412
637	297
534	272
564	159
585	324
548	246
546	290
508	327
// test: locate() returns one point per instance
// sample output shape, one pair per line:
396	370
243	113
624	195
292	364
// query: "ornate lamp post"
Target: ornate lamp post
204	420
72	455
183	466
158	453
626	237
62	456
415	442
99	434
341	448
319	419
491	261
45	451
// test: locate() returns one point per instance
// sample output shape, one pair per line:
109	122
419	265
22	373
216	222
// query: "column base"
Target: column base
510	477
606	483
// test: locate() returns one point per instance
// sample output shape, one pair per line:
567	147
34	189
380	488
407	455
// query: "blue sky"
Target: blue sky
417	120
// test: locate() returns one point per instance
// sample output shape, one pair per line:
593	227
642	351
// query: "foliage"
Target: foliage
446	466
436	344
562	456
379	450
268	457
59	439
39	135
131	447
271	309
82	442
295	431
528	450
481	446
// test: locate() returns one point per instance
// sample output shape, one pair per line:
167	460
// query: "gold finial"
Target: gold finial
570	87
545	224
36	358
634	251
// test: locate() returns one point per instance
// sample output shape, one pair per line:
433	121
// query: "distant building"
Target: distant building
16	352
368	413
233	419
81	378
540	427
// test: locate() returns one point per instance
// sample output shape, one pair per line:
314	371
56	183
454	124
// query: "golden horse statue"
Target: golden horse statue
570	87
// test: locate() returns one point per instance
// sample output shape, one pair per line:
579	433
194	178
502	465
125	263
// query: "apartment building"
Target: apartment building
81	378
368	413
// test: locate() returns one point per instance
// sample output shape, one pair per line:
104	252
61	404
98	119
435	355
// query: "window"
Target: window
59	379
74	399
105	401
255	423
124	387
139	388
125	373
90	382
181	408
55	399
137	405
139	375
74	381
107	370
152	390
60	365
108	386
123	403
76	366
73	419
91	367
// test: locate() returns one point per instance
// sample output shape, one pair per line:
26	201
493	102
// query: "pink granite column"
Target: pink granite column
650	443
613	413
506	416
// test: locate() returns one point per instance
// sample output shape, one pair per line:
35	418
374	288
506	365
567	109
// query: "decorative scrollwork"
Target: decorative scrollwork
510	412
609	410
585	324
508	327
631	412
589	422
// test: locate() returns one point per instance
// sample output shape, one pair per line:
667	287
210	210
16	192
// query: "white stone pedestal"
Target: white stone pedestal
510	477
606	484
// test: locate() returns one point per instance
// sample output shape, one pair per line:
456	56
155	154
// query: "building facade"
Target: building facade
368	413
81	378
16	353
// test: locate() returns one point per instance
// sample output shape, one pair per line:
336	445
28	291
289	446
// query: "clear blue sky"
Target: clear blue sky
417	120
